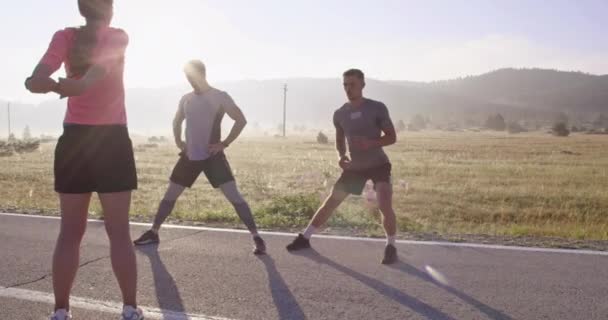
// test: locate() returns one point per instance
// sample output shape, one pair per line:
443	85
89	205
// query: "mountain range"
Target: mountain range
518	94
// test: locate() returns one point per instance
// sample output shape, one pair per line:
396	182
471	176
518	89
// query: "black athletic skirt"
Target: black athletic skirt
94	159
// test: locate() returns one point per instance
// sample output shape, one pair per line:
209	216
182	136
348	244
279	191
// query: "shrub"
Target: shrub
561	130
496	122
322	138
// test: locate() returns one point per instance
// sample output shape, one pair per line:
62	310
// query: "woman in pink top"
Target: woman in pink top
94	154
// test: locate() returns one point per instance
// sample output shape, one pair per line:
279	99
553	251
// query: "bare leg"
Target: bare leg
74	210
325	211
384	191
116	213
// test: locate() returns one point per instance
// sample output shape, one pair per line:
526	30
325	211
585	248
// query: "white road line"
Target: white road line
410	242
99	306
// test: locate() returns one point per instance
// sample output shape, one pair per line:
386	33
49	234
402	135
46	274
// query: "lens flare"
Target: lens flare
436	275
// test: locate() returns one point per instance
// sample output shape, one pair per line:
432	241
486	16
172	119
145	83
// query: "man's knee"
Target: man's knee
386	206
387	210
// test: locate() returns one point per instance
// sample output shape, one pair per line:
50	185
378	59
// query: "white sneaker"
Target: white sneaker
61	314
130	313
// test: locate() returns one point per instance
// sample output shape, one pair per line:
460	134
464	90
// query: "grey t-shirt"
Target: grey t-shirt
367	121
204	113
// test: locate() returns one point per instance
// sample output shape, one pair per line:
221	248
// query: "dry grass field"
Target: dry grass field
446	183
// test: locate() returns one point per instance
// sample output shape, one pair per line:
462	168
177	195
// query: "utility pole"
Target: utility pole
8	109
285	111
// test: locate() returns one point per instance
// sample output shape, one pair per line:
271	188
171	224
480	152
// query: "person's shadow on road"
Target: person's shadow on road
421	308
167	293
286	303
484	308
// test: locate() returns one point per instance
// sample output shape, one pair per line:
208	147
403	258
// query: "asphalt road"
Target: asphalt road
212	274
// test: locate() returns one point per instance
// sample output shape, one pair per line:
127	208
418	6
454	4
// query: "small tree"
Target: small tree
401	126
417	123
496	122
560	129
27	135
11	138
322	138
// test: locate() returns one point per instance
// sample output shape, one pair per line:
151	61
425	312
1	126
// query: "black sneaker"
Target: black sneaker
260	246
149	237
299	243
390	254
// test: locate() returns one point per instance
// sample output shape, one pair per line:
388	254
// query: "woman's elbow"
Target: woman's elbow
27	85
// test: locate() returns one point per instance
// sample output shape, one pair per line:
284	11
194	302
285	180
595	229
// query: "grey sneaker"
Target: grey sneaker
130	313
61	314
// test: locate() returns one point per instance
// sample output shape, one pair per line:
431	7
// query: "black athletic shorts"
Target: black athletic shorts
217	169
94	159
353	181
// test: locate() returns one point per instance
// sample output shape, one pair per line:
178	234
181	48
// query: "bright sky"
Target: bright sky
419	40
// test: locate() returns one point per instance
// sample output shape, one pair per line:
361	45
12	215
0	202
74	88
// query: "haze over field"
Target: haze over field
252	49
538	95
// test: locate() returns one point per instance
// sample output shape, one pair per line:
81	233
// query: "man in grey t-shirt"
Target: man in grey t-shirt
367	127
203	152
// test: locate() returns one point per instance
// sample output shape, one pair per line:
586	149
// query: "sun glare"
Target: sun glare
164	36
